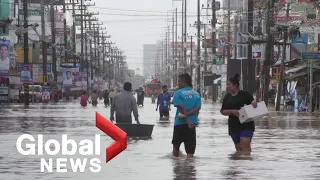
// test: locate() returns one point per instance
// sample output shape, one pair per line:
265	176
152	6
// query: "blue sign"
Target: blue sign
303	38
308	56
49	67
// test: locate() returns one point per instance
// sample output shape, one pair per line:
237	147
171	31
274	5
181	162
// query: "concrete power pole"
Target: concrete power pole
251	80
44	43
175	50
74	32
81	36
198	49
214	46
283	57
53	43
269	48
185	37
26	49
65	39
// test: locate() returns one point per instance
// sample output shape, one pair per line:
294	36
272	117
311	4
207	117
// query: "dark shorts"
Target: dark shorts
245	133
94	102
183	134
164	112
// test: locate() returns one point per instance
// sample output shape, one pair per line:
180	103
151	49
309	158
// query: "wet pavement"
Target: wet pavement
285	146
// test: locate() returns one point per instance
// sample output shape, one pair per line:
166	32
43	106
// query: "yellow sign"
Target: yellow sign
20	53
277	74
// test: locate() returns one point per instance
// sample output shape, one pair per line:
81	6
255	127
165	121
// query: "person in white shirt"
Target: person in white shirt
25	74
4	59
68	80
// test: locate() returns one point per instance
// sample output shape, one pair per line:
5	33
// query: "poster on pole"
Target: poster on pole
4	90
4	58
69	77
26	73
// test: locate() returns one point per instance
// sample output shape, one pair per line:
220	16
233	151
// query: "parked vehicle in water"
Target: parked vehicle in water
153	85
35	93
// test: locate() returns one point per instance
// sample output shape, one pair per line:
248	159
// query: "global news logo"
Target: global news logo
28	145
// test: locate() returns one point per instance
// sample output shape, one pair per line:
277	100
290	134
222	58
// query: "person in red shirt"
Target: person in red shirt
84	99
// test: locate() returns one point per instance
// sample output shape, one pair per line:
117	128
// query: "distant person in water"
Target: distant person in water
106	98
94	98
123	105
84	99
188	103
241	134
112	94
163	101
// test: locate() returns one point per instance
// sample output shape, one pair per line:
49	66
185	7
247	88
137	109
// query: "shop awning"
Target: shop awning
217	81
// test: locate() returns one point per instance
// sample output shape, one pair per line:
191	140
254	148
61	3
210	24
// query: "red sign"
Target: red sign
290	18
115	133
178	45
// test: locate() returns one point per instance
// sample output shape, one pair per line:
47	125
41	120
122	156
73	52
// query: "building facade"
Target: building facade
149	59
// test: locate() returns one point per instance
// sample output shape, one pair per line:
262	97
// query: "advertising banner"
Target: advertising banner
4	90
82	81
4	58
38	72
20	53
45	93
26	73
69	77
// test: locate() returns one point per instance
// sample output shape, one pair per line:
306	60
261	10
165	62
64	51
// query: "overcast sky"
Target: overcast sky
132	23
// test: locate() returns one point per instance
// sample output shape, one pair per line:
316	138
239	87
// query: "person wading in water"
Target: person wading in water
241	134
163	101
188	103
123	105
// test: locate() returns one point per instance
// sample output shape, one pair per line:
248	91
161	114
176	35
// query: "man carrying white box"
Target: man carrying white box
241	133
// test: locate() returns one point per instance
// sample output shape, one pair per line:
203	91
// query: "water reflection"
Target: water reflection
135	140
164	122
284	141
232	173
184	168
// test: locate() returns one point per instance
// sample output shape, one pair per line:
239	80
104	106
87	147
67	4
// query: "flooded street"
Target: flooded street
285	146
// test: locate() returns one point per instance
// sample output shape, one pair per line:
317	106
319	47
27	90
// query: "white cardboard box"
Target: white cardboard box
249	113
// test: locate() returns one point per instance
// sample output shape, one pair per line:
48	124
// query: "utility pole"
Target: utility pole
251	67
213	41
182	34
268	51
44	43
205	48
175	50
258	60
229	29
97	46
283	57
185	36
53	43
173	53
198	49
26	49
81	54
191	58
74	33
86	51
91	52
65	32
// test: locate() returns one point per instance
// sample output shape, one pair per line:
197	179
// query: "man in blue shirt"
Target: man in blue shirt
163	101
188	103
